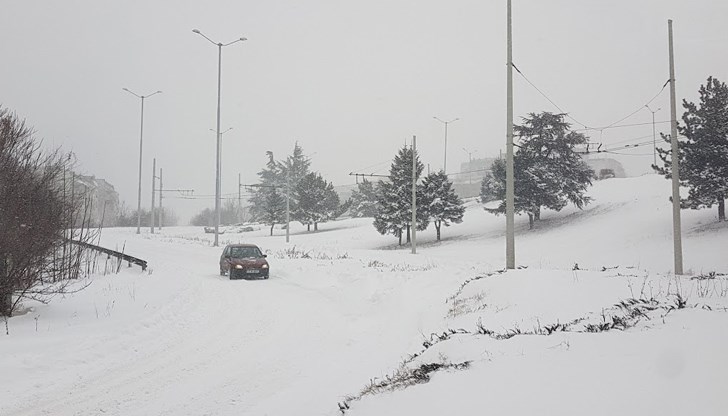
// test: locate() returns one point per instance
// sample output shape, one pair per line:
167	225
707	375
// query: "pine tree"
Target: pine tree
290	173
703	155
441	202
317	200
488	188
548	172
394	208
364	200
268	205
273	209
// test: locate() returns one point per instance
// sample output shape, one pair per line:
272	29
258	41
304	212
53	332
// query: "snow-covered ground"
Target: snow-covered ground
360	318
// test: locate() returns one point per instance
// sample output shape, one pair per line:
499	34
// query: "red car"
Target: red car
243	261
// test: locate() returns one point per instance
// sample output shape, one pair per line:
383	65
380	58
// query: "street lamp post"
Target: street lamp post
654	140
217	169
470	164
141	139
444	165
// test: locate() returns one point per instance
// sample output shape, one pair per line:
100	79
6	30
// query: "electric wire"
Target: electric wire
586	127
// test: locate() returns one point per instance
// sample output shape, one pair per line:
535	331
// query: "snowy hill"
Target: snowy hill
346	319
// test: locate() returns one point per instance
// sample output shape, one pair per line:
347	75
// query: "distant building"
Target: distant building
467	181
103	198
473	171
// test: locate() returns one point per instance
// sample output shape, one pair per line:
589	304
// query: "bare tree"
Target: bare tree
42	215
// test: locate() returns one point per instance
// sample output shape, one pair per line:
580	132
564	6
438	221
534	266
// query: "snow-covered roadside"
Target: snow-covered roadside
182	340
598	343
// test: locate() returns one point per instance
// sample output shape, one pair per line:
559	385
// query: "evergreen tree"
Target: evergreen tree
394	208
441	202
273	208
268	205
488	188
364	200
703	155
317	200
290	173
548	173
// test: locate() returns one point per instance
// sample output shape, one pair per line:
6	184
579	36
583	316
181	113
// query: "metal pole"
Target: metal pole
217	165
414	192
240	204
654	142
676	227
151	213
510	205
139	192
444	166
288	204
161	210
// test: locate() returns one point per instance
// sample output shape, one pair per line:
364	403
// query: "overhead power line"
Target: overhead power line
624	125
547	97
586	127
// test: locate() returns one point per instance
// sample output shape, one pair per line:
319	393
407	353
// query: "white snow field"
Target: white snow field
350	325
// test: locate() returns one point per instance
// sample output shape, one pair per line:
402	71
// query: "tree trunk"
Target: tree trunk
315	226
408	233
537	214
399	235
6	304
271	229
437	227
721	210
6	298
308	227
530	220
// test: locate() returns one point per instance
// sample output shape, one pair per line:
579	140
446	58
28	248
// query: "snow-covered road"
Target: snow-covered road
183	340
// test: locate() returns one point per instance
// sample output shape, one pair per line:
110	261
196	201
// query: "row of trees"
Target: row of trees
549	172
390	202
128	218
311	199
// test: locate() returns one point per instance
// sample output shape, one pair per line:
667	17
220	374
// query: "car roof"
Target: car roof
243	245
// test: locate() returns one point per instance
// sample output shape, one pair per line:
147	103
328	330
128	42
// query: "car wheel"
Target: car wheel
222	272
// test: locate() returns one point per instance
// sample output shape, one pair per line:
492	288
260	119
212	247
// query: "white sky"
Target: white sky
350	80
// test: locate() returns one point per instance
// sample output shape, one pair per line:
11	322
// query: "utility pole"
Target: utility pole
414	195
676	227
654	140
288	204
510	205
240	203
151	213
161	210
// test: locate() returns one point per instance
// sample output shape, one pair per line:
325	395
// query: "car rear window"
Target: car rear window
244	252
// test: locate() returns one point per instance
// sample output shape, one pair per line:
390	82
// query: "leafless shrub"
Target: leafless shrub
41	213
376	264
298	253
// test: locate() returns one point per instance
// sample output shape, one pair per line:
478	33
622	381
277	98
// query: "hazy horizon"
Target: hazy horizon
350	82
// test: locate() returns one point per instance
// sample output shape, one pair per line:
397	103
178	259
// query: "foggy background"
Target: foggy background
351	81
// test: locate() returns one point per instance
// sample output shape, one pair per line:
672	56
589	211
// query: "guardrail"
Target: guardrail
125	257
